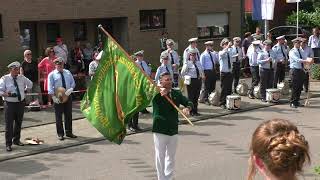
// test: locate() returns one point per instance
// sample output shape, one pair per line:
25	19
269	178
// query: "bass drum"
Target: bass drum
214	98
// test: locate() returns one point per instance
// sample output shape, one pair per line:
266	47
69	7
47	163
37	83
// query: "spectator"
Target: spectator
45	67
29	69
314	42
87	56
94	65
61	50
278	150
77	58
99	47
163	39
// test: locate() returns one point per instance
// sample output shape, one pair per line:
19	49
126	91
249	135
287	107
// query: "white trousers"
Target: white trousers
165	150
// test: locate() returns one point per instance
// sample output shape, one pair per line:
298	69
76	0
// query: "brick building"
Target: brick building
136	24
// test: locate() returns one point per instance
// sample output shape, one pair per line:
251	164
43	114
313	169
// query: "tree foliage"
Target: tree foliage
310	19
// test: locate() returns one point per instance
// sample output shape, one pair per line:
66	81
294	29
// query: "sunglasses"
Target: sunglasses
28	54
58	63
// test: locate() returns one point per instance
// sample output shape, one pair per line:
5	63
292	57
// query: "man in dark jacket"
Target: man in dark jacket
165	126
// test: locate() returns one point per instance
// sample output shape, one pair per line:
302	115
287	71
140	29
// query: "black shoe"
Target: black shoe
251	96
19	143
61	138
71	135
8	148
293	105
138	128
263	100
197	114
145	111
223	106
132	129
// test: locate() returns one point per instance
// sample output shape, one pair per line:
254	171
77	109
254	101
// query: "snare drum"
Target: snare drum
273	95
283	87
256	92
214	98
233	102
242	88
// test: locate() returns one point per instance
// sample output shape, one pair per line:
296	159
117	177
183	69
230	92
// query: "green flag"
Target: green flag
118	90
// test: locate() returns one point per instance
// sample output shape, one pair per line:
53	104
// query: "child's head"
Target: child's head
278	150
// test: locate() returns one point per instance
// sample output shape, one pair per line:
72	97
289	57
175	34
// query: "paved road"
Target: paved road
215	149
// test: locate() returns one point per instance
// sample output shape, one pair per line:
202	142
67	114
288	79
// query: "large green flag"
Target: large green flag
118	90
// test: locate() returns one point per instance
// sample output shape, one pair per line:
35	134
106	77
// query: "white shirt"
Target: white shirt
62	52
7	86
314	41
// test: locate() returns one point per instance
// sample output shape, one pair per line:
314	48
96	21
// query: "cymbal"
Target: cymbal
60	94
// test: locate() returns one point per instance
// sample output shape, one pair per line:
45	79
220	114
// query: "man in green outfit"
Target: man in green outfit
165	126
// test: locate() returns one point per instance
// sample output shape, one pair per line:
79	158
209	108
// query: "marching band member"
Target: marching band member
254	67
193	69
174	61
193	45
165	67
297	59
225	61
60	87
282	57
267	62
12	89
209	60
236	49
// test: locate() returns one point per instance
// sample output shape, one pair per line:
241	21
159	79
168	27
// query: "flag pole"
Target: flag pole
151	81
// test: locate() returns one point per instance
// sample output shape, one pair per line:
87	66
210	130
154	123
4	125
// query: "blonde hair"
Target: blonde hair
26	52
280	146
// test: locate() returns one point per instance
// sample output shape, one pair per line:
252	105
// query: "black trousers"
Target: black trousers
226	86
266	81
306	82
194	92
236	75
209	83
255	78
66	109
280	74
133	122
13	114
175	80
297	84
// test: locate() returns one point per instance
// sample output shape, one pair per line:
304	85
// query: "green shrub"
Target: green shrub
310	19
315	71
317	170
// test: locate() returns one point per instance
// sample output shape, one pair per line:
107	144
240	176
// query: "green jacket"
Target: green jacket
165	116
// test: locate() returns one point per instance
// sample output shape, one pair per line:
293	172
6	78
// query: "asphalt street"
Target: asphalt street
214	149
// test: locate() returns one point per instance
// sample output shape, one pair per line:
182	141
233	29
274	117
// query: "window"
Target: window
152	19
79	31
1	33
53	31
213	25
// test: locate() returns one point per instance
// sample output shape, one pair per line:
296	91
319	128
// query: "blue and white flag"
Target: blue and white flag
263	9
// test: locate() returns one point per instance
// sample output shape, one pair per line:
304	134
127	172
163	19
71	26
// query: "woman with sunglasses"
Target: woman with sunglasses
45	67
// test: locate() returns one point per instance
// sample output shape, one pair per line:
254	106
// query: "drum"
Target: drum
273	95
284	87
233	102
214	98
256	92
242	88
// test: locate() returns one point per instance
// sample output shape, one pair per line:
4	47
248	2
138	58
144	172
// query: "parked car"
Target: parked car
290	32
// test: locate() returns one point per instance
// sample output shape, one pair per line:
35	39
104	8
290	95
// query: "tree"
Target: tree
309	19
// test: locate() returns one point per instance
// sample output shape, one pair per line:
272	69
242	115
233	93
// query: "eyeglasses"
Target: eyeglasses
192	54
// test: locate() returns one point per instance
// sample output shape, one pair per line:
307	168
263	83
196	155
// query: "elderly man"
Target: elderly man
193	45
61	50
12	87
29	69
57	79
309	54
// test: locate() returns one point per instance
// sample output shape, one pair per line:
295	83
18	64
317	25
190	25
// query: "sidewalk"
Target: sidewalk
87	134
